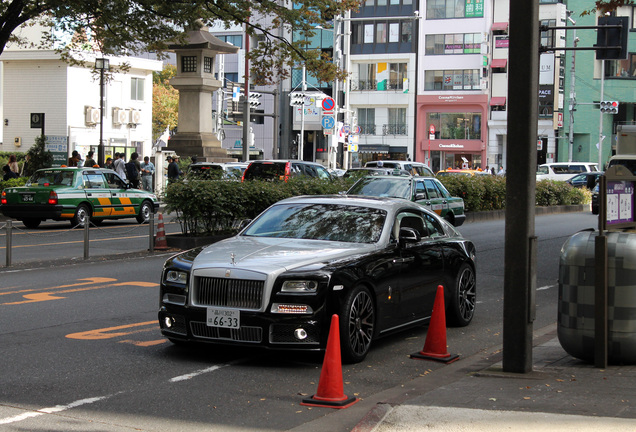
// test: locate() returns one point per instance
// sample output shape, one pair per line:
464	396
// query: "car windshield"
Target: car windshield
51	178
382	187
332	222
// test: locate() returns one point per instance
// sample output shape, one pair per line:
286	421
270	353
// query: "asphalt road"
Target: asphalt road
81	350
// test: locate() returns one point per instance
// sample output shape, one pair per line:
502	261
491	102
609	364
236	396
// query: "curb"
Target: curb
539	211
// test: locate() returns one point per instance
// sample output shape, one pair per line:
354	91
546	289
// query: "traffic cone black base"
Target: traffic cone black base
451	357
329	404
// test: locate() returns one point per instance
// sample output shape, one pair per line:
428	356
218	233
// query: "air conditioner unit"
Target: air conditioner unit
92	116
120	116
135	117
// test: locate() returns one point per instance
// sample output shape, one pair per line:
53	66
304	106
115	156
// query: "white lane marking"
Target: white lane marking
51	410
547	287
197	373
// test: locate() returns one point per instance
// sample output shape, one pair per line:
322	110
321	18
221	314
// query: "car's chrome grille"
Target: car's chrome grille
232	293
243	334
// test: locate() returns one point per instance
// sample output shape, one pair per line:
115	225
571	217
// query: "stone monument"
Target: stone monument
196	84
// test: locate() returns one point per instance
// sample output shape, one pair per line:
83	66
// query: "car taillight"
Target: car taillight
4	198
52	197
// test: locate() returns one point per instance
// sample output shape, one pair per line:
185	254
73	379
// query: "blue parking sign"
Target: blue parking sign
328	122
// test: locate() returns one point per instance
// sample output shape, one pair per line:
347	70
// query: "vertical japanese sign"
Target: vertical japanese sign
474	8
620	202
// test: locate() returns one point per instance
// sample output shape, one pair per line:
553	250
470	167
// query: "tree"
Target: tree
165	101
39	157
115	27
603	6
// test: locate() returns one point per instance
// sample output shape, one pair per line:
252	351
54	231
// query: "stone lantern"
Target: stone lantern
196	84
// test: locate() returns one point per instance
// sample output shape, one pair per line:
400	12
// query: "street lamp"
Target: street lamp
101	64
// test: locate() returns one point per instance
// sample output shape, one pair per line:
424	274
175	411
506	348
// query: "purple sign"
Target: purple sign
620	202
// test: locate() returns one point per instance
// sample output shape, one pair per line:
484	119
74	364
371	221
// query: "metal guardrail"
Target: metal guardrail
9	228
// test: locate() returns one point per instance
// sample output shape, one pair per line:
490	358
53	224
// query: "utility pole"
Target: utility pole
246	101
572	91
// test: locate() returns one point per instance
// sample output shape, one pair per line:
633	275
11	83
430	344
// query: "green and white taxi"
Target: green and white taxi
76	195
427	191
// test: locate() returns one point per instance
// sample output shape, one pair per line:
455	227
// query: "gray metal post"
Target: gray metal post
8	242
151	232
87	226
521	161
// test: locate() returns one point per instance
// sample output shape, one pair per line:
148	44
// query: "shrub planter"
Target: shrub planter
180	241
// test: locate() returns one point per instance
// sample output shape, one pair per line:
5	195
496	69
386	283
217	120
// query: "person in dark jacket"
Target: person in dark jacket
173	170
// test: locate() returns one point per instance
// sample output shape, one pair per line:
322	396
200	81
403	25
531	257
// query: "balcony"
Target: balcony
367	129
394	129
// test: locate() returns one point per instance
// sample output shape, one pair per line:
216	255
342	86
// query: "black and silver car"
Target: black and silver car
376	262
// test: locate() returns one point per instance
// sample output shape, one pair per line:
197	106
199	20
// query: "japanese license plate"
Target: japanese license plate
27	198
225	318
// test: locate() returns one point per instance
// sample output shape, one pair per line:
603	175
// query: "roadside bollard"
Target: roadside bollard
87	225
151	233
8	242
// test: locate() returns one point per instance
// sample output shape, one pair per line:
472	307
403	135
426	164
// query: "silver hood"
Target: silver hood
267	254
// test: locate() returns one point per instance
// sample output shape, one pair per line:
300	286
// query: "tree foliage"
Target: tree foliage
603	6
165	101
116	27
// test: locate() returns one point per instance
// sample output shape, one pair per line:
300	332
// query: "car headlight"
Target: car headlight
299	286
177	277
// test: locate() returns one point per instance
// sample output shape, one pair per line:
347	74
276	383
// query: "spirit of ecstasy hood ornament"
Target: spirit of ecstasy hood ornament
232	256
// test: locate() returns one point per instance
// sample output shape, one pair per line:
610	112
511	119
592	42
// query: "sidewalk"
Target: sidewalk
474	394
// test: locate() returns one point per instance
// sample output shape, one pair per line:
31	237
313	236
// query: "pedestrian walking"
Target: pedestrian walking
133	170
119	165
147	171
173	169
90	162
13	164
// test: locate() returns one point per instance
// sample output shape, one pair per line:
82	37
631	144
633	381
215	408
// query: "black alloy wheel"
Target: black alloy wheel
357	323
461	307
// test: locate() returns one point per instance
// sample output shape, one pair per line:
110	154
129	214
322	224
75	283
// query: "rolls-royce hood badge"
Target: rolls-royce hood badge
232	259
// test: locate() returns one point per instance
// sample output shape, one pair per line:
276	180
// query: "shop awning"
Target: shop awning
499	26
498	101
498	63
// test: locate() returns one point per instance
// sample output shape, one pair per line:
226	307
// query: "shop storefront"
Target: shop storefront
452	131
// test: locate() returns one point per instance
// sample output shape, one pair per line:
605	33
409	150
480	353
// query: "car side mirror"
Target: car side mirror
420	196
244	223
409	235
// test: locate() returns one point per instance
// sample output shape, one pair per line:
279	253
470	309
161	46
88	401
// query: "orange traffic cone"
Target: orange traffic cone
435	344
160	238
330	388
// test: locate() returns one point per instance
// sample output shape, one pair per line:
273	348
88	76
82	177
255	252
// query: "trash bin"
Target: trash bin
575	326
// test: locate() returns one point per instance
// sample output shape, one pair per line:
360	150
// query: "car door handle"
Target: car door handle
404	260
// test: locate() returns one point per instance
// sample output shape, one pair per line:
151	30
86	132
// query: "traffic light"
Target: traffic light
615	36
296	99
255	99
609	107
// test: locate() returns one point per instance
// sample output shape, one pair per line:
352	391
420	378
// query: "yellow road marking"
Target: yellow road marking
111	332
144	344
55	295
88	282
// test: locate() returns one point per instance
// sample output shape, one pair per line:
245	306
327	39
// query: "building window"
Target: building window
547	36
188	63
621	68
450	80
381	33
367	79
397	122
446	9
397	76
366	121
236	40
137	89
440	44
407	32
207	64
455	125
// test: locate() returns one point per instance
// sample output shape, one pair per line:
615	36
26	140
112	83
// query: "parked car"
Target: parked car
76	194
564	170
213	170
361	172
427	191
235	169
283	169
413	168
585	180
628	161
376	262
461	172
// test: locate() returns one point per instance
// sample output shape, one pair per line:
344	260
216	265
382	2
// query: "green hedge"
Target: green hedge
217	206
20	181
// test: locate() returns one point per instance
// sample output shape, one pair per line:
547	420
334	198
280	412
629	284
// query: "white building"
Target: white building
38	81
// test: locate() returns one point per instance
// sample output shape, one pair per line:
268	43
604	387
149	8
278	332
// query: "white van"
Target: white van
414	168
564	170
